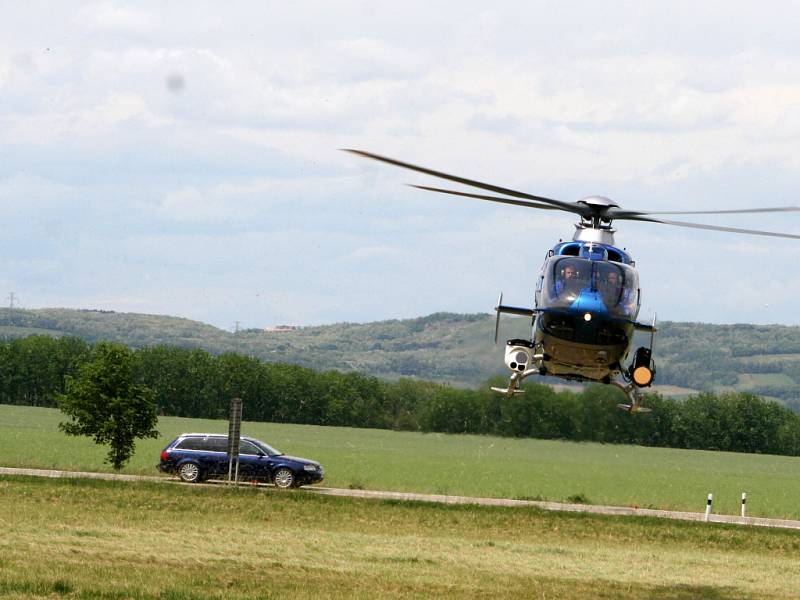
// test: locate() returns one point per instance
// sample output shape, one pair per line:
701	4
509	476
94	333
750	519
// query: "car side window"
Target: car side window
190	444
217	444
246	447
209	444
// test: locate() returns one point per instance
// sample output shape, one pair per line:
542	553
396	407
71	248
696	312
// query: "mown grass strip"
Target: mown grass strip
100	539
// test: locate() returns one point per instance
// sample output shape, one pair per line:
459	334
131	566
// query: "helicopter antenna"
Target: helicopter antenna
497	318
653	333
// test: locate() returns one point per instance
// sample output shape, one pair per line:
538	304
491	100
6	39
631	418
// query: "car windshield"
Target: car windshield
268	450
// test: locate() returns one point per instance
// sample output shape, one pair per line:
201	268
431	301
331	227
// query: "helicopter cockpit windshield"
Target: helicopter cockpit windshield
616	284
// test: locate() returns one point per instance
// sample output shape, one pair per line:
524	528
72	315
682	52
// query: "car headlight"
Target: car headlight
310	467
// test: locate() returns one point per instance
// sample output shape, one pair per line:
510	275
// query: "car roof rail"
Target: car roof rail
214	435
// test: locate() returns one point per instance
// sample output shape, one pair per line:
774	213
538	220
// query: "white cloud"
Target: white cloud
113	17
204	199
367	256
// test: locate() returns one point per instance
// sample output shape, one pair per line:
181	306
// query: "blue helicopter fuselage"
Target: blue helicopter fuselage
587	301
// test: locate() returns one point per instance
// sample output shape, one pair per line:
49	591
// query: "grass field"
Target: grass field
458	465
98	539
749	381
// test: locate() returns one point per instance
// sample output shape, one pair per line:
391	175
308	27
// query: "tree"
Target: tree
105	403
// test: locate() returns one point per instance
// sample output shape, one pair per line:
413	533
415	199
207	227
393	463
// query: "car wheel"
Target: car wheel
189	472
283	478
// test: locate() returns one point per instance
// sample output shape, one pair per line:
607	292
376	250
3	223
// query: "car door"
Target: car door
216	455
253	463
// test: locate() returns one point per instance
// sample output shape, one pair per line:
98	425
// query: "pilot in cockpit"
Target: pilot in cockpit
568	282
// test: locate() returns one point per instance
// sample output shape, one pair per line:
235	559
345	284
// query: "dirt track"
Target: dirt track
412	497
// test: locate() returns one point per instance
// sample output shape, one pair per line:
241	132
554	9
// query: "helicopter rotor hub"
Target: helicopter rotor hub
598	235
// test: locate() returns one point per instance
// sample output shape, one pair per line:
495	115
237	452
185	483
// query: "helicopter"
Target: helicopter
587	295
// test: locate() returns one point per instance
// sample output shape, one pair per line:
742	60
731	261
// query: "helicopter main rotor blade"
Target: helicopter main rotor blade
584	209
623	214
566	206
483	197
715	227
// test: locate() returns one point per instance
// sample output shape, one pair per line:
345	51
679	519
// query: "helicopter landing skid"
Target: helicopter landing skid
514	381
508	392
635	395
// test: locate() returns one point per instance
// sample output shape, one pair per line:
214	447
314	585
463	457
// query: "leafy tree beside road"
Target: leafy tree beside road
104	402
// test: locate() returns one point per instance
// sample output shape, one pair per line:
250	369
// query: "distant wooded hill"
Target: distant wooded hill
454	348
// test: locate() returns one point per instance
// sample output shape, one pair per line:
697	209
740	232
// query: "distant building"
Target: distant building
280	328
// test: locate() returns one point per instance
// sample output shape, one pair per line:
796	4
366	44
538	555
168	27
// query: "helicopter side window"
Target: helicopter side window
629	301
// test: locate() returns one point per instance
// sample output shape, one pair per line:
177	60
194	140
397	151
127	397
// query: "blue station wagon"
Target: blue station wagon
198	456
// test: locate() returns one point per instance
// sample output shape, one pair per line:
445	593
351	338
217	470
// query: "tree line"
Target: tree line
194	383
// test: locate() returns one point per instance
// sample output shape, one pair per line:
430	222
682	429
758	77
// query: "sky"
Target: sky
182	158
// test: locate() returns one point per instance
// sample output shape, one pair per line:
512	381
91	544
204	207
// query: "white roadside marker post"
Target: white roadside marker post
744	503
708	505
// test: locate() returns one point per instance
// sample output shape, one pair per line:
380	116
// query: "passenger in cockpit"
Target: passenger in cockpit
619	294
610	289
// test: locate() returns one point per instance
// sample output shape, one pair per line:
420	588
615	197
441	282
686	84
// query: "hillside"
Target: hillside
446	347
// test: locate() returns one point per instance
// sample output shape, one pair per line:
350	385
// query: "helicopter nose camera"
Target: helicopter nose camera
518	355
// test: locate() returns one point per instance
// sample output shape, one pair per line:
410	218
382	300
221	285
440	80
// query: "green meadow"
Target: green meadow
69	538
457	464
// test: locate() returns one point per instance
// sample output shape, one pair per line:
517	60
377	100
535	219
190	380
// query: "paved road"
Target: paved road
411	497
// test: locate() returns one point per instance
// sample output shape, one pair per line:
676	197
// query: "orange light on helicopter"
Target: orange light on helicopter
642	376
